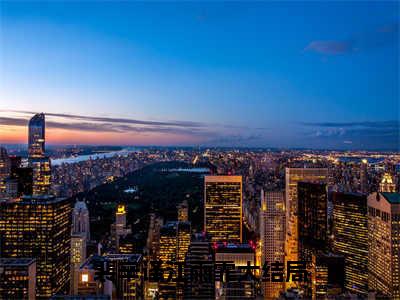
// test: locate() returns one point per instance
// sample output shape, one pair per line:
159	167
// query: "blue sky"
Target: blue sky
291	74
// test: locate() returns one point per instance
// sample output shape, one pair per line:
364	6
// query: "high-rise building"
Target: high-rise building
36	136
39	227
384	243
223	208
183	211
350	238
80	219
41	173
17	278
327	275
199	269
312	218
235	284
24	176
123	278
120	229
292	177
174	244
5	170
272	236
364	176
37	160
78	256
387	185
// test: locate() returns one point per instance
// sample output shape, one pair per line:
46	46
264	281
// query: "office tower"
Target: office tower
17	278
292	177
39	227
183	211
364	176
384	243
312	218
387	185
78	256
272	236
80	219
11	187
327	275
5	170
223	208
123	279
153	237
36	136
41	173
235	285
199	269
174	243
119	229
350	232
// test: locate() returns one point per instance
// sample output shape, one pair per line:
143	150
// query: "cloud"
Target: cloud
362	135
380	37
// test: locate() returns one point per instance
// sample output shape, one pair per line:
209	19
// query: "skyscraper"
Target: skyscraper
174	244
36	136
39	227
350	238
223	208
364	176
292	177
78	256
5	169
272	236
37	160
80	219
199	269
312	218
17	278
384	243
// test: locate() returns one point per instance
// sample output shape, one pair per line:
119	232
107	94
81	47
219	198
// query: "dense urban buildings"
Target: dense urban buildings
350	238
214	207
272	236
39	227
292	177
223	208
384	243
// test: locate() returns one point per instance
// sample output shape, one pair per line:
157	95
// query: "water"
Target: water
80	158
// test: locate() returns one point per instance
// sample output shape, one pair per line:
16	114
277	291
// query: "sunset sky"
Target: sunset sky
272	74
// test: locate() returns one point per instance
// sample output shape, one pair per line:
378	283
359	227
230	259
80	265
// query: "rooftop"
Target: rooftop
16	261
393	198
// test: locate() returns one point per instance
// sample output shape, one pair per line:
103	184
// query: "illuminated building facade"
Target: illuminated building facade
364	176
350	238
292	177
272	236
384	243
387	185
41	173
36	136
327	275
5	169
183	211
80	219
17	278
236	286
223	208
174	244
39	227
199	252
119	286
312	218
78	256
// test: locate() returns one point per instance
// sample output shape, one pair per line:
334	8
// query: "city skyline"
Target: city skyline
208	74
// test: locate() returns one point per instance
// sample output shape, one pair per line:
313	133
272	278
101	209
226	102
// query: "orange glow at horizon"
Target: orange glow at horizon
19	135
